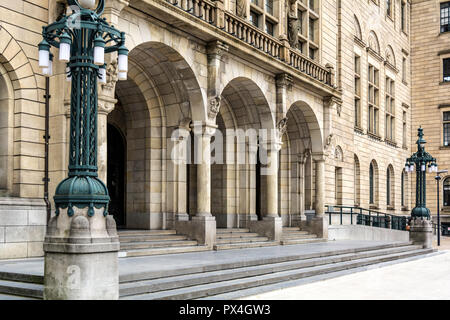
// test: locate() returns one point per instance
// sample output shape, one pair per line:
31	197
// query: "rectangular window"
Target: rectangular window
446	69
312	5
404	70
255	2
390	110
357	91
373	100
403	16
312	53
404	130
311	29
446	124
254	19
389	8
445	16
269	7
269	28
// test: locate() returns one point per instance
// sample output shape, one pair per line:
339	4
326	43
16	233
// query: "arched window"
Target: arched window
388	187
371	184
6	132
447	192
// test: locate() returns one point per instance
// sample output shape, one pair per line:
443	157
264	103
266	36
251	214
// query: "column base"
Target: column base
421	233
202	229
317	225
270	227
81	261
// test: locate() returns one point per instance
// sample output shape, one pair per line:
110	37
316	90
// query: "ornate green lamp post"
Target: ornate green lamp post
421	227
421	160
83	38
81	243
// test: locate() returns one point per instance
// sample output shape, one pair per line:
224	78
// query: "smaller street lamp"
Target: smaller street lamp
438	178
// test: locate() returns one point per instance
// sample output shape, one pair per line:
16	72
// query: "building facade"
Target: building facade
331	79
430	46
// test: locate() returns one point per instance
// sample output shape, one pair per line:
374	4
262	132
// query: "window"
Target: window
445	16
402	189
373	99
390	110
308	35
269	7
446	124
404	79
446	69
388	187
371	184
404	133
404	17
254	18
447	192
262	15
269	28
357	91
389	9
357	179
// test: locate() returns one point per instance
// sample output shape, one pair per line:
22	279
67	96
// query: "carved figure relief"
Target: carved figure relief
293	24
214	106
241	8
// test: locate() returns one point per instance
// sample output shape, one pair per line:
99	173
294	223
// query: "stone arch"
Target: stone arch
19	89
173	79
338	154
373	183
6	132
390	56
374	44
249	104
357	28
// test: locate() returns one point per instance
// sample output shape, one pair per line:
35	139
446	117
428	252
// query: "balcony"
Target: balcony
208	21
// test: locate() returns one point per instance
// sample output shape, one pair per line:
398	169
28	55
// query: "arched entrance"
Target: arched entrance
116	174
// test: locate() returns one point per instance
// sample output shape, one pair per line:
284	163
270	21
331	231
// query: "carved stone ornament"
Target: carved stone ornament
214	107
294	26
111	76
330	102
282	126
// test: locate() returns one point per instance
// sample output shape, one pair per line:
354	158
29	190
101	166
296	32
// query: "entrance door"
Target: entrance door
116	174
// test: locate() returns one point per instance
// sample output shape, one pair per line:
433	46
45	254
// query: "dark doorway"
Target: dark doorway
116	174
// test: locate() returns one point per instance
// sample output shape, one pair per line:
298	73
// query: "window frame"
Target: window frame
390	109
441	18
373	105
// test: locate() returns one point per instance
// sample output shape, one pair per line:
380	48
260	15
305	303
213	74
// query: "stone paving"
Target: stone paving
421	279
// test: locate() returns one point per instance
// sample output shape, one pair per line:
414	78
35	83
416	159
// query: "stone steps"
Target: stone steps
138	243
286	242
294	235
236	235
159	251
220	278
241	240
207	284
231	230
298	236
244	245
233	238
156	244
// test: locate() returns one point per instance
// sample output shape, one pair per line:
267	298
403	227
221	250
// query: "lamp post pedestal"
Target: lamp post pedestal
421	232
81	257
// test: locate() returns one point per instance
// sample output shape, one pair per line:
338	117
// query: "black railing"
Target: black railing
366	217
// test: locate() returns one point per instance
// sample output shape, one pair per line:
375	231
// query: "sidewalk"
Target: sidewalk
422	279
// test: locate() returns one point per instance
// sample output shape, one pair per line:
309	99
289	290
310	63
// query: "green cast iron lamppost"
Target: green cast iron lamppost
83	38
420	160
81	243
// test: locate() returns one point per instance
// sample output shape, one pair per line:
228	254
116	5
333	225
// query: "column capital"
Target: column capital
283	80
318	157
114	7
206	130
333	102
106	104
301	157
216	49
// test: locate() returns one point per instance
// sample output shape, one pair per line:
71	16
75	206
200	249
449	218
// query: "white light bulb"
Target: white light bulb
64	52
422	167
44	58
411	168
123	63
99	56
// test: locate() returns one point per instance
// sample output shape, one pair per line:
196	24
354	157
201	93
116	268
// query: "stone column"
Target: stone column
301	161
271	225
317	223
202	227
319	203
105	106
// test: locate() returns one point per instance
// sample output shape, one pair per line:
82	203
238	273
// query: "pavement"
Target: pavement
421	279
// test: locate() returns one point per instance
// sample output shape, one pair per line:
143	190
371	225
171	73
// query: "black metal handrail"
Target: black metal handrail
367	217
